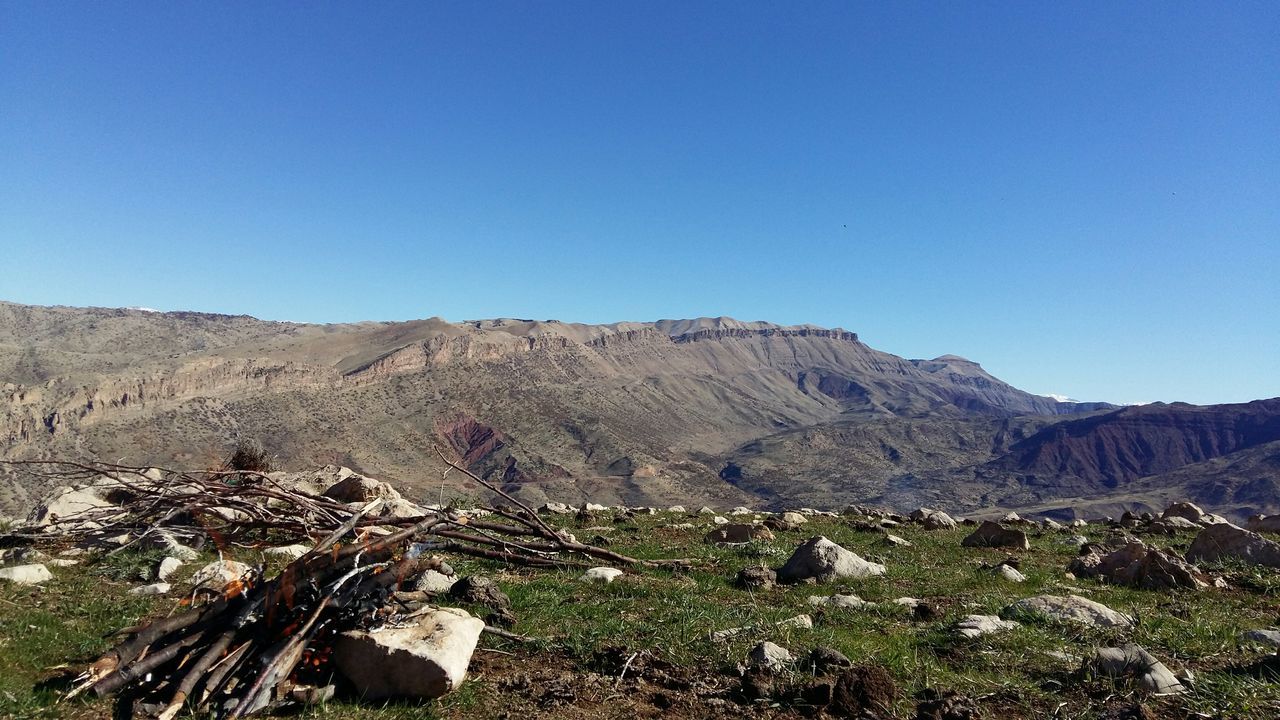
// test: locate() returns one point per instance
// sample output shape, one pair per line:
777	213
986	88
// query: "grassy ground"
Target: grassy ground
652	628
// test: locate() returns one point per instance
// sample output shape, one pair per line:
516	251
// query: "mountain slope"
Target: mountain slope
626	411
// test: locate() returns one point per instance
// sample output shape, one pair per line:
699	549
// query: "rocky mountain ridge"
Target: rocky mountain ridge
657	412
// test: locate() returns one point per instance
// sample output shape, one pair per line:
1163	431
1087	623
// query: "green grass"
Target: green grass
672	614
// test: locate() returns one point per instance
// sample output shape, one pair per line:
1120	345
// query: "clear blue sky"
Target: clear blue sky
1084	197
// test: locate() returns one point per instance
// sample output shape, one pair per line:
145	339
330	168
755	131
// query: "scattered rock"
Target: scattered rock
1071	608
756	578
802	622
361	489
1131	661
62	562
824	660
769	656
556	508
990	534
1136	565
595	508
793	518
1184	511
848	602
67	503
160	588
973	626
1224	541
740	511
167	568
1270	638
933	519
288	552
434	582
895	541
26	574
735	534
720	520
822	560
1078	540
423	660
218	574
946	706
1264	523
480	590
1010	573
603	575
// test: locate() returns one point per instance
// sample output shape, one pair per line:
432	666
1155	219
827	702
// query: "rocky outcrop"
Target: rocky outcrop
1224	541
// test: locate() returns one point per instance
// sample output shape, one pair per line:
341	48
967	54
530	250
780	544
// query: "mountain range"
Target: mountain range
708	410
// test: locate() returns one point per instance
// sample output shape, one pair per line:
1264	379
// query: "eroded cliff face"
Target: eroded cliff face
33	414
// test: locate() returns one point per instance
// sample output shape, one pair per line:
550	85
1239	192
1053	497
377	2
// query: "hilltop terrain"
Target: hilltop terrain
708	410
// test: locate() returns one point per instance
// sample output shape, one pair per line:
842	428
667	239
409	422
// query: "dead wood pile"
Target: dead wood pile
239	651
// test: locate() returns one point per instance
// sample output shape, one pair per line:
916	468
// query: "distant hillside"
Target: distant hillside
703	410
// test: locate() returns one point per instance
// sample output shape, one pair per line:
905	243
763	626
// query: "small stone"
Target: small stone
434	582
481	591
219	574
720	520
288	552
800	622
26	574
604	575
824	660
167	568
973	626
769	656
160	588
756	578
895	541
847	602
1009	573
311	695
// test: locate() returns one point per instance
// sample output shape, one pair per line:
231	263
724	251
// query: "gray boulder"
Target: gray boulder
1184	510
425	659
1269	638
1264	523
756	578
361	489
1224	541
1071	609
218	574
822	560
1132	662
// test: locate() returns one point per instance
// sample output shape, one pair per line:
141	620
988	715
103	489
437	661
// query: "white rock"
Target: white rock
360	489
62	562
593	507
794	518
676	509
769	656
683	526
601	575
720	520
434	582
26	574
740	511
167	568
704	510
848	602
288	552
556	508
823	560
160	588
425	659
1011	574
1073	608
909	603
974	625
218	574
803	622
67	503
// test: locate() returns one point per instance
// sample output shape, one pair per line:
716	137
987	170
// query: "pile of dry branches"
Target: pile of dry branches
239	651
